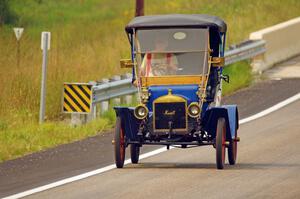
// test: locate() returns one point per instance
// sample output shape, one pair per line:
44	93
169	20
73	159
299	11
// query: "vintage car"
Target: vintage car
177	63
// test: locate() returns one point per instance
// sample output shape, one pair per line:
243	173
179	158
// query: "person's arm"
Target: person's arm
142	69
173	62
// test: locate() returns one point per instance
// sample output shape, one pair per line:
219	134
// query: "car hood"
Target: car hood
188	92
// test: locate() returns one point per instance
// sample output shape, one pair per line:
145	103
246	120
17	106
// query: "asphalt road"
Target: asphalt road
268	167
68	160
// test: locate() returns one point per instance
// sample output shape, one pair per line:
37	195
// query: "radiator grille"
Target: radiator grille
174	112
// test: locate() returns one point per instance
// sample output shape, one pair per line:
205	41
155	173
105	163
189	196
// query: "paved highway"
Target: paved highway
69	160
268	167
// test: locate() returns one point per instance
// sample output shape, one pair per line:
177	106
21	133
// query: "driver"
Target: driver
160	63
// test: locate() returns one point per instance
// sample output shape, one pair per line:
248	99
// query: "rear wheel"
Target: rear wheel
134	153
119	144
220	143
232	150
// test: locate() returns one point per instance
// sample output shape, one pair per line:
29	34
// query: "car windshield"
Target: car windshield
164	52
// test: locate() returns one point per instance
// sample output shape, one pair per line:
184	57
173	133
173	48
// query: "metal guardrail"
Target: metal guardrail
245	50
113	89
118	87
106	91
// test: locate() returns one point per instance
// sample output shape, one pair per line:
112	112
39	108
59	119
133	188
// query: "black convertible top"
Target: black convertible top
177	20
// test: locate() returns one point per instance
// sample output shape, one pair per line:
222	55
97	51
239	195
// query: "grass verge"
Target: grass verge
21	140
239	77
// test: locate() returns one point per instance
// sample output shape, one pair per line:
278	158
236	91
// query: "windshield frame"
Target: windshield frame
168	34
139	55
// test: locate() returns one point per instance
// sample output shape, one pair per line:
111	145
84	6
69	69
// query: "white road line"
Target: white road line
81	176
271	109
143	156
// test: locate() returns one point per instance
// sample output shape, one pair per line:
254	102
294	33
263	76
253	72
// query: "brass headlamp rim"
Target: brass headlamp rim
139	106
193	104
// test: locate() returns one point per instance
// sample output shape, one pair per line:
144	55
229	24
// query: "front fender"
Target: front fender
229	112
129	122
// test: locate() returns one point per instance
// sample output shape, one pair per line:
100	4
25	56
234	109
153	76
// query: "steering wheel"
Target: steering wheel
159	69
164	69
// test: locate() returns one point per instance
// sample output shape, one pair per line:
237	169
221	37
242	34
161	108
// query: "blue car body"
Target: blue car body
182	110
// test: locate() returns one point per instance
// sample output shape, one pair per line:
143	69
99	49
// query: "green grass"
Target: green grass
15	142
25	136
87	41
239	77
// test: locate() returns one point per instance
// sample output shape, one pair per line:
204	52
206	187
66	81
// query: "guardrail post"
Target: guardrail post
77	119
128	98
257	63
116	100
104	104
93	114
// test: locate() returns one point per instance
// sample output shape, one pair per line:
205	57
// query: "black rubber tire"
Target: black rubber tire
119	144
232	150
220	143
134	153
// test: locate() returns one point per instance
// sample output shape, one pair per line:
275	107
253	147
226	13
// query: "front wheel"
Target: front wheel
220	143
134	153
119	144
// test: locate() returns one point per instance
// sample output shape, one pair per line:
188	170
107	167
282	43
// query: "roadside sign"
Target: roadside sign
77	98
18	32
43	40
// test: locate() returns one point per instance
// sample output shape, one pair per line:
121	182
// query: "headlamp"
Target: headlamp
194	110
141	112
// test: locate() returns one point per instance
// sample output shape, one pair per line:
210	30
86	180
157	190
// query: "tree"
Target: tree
7	16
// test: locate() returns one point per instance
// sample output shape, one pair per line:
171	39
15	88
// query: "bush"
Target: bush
7	16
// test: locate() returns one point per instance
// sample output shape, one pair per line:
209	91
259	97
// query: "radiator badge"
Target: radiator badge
169	113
